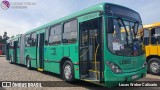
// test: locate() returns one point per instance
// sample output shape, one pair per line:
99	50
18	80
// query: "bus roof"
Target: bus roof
98	7
152	25
14	38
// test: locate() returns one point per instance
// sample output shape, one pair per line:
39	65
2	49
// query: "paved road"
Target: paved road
12	72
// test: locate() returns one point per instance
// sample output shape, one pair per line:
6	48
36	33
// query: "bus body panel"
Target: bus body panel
18	55
147	50
22	58
113	79
158	50
133	64
152	50
52	57
31	52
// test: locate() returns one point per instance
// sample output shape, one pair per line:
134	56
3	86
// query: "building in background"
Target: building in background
2	49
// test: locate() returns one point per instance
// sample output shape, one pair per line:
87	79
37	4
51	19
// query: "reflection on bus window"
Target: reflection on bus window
126	39
155	36
146	37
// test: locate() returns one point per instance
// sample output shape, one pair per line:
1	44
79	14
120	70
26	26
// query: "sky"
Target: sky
20	20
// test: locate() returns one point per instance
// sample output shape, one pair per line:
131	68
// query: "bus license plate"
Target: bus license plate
134	76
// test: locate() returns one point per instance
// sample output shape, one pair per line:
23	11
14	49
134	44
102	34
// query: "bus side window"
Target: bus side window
146	37
33	39
157	35
70	32
27	41
55	35
47	36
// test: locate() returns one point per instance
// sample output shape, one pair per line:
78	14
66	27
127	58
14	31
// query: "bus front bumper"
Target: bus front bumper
113	79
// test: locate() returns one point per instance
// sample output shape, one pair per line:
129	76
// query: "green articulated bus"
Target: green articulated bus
87	45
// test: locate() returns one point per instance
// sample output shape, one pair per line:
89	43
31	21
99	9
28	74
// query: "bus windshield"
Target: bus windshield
126	39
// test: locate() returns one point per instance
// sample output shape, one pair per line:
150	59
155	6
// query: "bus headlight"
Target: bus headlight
114	67
144	65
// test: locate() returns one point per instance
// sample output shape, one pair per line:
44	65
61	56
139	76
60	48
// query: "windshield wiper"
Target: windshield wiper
134	30
125	30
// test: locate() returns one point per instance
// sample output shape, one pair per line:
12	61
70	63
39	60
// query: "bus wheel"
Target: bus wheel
154	66
28	63
10	60
68	71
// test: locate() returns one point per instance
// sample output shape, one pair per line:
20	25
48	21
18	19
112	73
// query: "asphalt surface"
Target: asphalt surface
13	72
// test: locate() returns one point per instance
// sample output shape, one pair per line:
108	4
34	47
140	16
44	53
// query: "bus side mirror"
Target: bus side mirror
110	25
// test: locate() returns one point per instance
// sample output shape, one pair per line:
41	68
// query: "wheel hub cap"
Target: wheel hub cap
67	71
154	66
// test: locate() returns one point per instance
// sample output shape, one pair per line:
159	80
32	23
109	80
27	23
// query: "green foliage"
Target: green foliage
4	39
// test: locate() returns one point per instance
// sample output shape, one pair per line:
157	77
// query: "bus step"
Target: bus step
95	62
94	74
40	69
90	79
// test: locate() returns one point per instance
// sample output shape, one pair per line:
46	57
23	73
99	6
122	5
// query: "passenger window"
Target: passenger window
33	39
146	37
70	32
155	36
27	41
55	35
46	36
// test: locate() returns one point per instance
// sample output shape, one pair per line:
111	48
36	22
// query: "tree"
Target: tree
5	35
0	37
5	38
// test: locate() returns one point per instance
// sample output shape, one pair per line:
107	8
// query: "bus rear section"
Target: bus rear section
15	49
152	47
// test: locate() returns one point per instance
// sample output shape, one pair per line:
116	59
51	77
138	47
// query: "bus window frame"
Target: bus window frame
71	31
150	31
49	30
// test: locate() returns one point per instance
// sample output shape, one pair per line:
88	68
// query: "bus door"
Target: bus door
40	51
90	47
7	51
15	51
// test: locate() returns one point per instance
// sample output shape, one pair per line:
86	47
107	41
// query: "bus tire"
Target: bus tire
28	63
10	60
154	66
68	71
